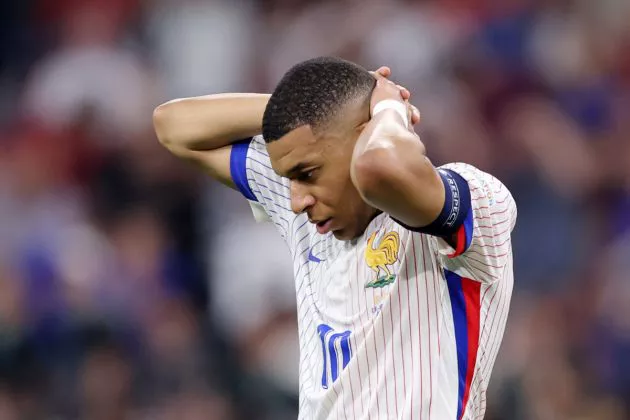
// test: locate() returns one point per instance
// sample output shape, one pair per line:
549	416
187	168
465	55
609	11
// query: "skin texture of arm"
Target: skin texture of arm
390	168
201	129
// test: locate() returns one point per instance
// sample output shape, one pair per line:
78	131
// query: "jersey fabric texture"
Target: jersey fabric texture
396	324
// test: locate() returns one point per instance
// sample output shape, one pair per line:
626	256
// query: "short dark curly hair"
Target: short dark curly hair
312	92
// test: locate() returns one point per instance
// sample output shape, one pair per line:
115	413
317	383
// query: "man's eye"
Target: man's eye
305	176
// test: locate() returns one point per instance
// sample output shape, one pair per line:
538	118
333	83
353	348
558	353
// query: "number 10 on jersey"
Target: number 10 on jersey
335	346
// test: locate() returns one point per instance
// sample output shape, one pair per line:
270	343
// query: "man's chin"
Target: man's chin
345	234
354	229
341	235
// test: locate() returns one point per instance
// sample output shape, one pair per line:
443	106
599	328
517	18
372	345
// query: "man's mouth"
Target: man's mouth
323	227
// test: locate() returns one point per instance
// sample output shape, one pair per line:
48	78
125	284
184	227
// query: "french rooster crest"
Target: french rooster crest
379	258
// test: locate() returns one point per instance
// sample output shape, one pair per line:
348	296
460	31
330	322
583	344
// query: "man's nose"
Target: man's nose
301	199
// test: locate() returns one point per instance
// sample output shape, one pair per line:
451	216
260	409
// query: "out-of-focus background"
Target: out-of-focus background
131	287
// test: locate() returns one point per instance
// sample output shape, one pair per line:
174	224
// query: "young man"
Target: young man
403	271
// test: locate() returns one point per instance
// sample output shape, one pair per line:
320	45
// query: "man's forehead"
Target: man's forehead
292	148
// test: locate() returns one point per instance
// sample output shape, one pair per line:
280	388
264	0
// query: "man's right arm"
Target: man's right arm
202	129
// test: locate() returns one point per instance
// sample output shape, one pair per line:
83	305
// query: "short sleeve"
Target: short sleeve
483	245
254	177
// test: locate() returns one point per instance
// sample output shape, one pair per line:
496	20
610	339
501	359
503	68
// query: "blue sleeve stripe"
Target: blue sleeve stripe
238	168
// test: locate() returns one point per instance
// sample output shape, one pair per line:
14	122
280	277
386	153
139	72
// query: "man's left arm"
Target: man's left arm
389	165
454	203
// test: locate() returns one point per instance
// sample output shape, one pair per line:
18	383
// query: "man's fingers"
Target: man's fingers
415	115
404	92
386	89
384	71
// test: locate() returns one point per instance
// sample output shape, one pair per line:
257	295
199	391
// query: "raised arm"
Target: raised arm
471	212
389	166
201	129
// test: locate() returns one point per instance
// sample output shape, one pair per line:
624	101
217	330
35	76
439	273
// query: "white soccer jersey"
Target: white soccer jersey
395	324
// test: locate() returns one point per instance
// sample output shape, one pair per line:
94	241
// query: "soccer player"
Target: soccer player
403	271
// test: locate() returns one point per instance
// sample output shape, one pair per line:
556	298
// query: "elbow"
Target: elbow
373	171
380	172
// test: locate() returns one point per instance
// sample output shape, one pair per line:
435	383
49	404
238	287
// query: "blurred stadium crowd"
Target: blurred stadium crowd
132	288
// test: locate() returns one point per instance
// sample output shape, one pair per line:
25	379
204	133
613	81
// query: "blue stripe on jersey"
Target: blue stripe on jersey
469	225
238	168
458	305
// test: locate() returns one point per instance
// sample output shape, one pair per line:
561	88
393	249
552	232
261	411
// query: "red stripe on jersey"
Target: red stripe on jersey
460	242
464	235
471	289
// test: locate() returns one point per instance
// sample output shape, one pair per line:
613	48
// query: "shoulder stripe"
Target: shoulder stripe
238	168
